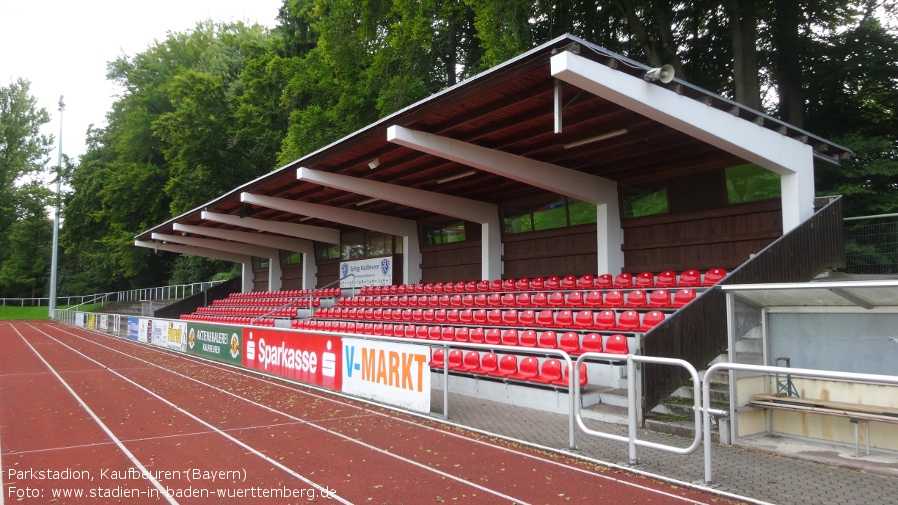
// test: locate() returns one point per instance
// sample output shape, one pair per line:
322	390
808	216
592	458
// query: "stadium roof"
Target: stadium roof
511	109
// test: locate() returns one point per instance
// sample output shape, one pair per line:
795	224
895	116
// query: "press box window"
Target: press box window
646	200
547	215
444	232
750	183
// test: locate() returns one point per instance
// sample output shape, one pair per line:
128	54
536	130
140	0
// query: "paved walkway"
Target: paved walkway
757	474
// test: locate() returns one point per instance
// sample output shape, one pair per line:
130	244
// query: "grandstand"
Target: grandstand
560	200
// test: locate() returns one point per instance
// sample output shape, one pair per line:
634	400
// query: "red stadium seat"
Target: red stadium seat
494	300
494	317
569	342
462	334
522	300
496	285
447	333
586	282
537	283
527	338
477	335
556	299
682	297
617	344
481	300
421	331
479	316
644	280
666	279
574	299
522	284
569	282
549	372
592	342
624	280
565	379
564	319
452	316
714	276
471	362
467	300
508	285
636	299
489	363
659	298
552	283
527	369
456	357
466	316
628	321
604	281
545	317
651	319
508	364
593	299
614	298
584	319
437	356
606	320
510	337
690	278
527	318
508	300
548	340
540	299
510	317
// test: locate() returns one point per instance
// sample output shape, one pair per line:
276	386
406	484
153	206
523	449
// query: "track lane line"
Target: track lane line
280	383
323	490
273	410
118	443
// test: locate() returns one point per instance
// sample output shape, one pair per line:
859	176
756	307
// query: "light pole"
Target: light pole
54	262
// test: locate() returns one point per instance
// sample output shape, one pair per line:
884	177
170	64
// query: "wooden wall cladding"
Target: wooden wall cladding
291	277
563	251
260	279
724	238
459	261
328	272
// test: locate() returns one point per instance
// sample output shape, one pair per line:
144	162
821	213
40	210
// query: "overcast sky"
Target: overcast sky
62	47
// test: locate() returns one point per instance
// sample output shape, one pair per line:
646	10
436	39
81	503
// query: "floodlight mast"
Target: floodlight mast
54	262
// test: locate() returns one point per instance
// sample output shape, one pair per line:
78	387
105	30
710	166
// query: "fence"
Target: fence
871	244
174	292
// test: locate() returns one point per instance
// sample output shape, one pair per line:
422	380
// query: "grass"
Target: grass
8	313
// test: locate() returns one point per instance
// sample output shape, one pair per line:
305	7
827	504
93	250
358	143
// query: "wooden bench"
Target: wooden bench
856	413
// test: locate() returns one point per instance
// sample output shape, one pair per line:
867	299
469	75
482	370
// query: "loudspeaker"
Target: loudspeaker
664	74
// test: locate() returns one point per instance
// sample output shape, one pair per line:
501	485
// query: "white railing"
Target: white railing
173	292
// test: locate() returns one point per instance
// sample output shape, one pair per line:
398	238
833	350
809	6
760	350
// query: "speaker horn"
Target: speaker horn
664	74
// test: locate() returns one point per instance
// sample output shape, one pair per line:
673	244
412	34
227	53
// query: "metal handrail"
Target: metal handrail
800	372
311	296
632	438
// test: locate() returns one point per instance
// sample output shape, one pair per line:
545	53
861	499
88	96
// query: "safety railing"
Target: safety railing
771	370
110	324
632	439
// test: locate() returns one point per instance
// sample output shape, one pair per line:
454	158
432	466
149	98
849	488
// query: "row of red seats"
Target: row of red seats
638	298
608	320
508	367
241	320
290	293
247	311
666	279
248	301
571	342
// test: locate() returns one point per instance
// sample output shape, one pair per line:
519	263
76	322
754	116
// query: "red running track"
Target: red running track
127	423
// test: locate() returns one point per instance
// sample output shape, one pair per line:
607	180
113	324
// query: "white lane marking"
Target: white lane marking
321	428
325	491
121	446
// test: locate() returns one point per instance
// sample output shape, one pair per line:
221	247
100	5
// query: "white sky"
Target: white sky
62	47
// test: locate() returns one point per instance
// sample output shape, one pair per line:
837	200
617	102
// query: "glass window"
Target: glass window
517	220
352	245
750	182
260	263
647	200
327	251
551	215
581	212
378	244
443	232
291	258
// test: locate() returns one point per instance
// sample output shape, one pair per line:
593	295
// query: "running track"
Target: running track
130	424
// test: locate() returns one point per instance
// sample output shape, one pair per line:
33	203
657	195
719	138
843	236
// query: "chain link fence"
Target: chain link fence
871	244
